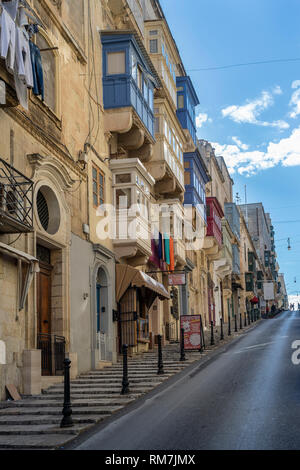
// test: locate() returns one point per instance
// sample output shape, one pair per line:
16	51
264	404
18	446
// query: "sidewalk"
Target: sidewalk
33	422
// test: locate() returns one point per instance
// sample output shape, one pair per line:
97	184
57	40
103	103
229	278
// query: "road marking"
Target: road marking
259	345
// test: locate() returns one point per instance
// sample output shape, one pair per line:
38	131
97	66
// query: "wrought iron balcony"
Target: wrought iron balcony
16	200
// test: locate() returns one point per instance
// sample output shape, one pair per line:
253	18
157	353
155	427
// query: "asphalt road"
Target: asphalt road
246	398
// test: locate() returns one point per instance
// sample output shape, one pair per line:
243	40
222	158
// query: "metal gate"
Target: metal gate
128	308
53	353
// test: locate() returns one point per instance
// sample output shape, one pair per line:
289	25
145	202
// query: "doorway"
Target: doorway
44	308
102	315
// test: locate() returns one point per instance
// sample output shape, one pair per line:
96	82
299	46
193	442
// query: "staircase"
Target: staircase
33	422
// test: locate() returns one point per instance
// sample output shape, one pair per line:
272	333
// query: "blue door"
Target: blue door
98	287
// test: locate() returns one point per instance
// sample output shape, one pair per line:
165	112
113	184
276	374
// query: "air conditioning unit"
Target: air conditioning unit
12	202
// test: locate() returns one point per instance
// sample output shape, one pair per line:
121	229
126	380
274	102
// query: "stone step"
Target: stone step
100	386
29	430
97	391
143	372
41	420
78	412
112	380
19	442
56	401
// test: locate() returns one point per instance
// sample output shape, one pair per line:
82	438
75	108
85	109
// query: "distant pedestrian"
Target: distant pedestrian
273	310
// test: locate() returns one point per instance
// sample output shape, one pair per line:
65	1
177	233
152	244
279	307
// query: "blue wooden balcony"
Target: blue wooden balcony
187	100
128	76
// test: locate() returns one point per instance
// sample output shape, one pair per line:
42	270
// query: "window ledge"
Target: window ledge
46	109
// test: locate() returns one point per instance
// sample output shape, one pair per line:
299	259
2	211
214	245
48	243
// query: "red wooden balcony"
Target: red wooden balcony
214	219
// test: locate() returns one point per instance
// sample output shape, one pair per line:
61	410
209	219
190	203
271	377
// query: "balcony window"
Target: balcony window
153	46
98	187
187	100
146	92
123	198
116	63
180	100
131	189
139	78
151	98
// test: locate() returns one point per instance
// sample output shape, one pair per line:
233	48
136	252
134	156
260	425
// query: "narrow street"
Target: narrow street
245	398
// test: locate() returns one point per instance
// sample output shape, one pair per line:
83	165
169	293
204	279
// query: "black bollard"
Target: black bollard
248	318
182	353
229	325
212	340
222	332
235	323
160	364
125	383
245	315
241	322
67	421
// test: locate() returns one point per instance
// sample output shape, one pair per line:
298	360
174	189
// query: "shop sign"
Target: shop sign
177	279
192	331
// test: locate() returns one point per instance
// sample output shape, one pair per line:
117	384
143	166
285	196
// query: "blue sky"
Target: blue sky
251	113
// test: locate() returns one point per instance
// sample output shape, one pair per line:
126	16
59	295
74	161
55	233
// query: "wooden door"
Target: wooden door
44	300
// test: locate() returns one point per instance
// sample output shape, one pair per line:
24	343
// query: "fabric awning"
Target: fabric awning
33	267
10	251
128	276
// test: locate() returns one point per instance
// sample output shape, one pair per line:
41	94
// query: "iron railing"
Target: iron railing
53	353
16	200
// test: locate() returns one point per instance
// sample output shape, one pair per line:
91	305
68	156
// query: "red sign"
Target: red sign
192	331
177	279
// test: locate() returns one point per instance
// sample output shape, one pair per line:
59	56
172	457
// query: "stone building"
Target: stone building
43	199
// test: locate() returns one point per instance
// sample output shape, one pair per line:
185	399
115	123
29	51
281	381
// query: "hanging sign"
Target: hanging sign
269	291
177	279
192	332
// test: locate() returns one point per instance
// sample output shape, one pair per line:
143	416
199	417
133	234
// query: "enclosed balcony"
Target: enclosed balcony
171	222
166	165
16	200
233	217
132	185
196	177
129	81
267	258
236	263
187	100
249	282
213	239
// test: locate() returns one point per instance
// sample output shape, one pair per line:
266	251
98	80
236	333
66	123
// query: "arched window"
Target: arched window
49	72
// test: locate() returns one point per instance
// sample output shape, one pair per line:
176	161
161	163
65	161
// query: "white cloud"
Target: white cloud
295	100
286	152
240	144
277	90
249	112
201	119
